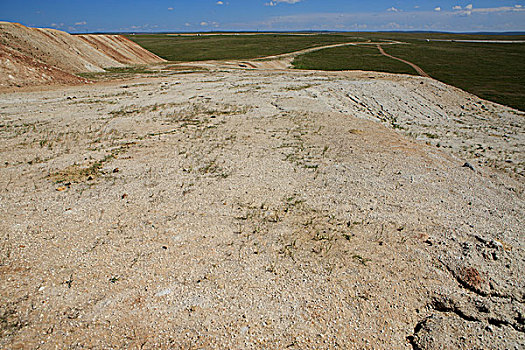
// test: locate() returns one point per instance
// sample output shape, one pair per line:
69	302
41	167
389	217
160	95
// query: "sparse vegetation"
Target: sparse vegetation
360	259
298	87
117	73
81	173
220	211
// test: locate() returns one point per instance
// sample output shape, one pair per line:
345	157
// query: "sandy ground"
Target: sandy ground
258	209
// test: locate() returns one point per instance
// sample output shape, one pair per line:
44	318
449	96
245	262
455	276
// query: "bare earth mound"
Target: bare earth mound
33	48
251	209
121	49
19	70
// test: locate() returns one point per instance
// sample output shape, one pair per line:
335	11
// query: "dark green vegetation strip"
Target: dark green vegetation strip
219	47
494	72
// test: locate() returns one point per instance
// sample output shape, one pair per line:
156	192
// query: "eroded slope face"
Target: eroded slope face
248	209
18	70
121	49
55	48
35	56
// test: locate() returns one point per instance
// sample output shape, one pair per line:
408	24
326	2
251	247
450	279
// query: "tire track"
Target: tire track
416	67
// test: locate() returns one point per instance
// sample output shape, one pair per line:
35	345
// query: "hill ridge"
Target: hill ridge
34	56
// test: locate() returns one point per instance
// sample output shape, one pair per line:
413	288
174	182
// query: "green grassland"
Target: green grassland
223	47
492	71
363	57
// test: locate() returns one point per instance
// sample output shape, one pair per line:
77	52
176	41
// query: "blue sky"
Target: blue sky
266	15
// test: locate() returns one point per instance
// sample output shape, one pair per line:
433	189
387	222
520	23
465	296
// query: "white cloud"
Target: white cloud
457	7
392	9
393	25
437	9
447	19
444	20
204	24
83	23
276	2
469	10
170	8
187	24
220	3
498	9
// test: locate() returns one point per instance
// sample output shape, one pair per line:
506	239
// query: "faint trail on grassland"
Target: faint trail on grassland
324	47
284	60
416	67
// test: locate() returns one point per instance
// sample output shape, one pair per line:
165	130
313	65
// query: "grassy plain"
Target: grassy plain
495	72
364	57
219	47
492	71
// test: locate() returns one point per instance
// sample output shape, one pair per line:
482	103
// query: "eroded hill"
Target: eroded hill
36	56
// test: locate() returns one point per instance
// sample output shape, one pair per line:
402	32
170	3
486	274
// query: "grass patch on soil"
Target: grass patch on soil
113	73
116	73
77	173
218	47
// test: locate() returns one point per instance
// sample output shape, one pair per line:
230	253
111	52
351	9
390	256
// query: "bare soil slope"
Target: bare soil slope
36	48
121	49
253	209
17	69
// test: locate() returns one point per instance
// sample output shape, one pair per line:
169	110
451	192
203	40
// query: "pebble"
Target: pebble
468	165
163	292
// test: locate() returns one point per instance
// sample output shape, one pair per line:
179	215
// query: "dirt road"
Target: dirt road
312	49
281	61
416	67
